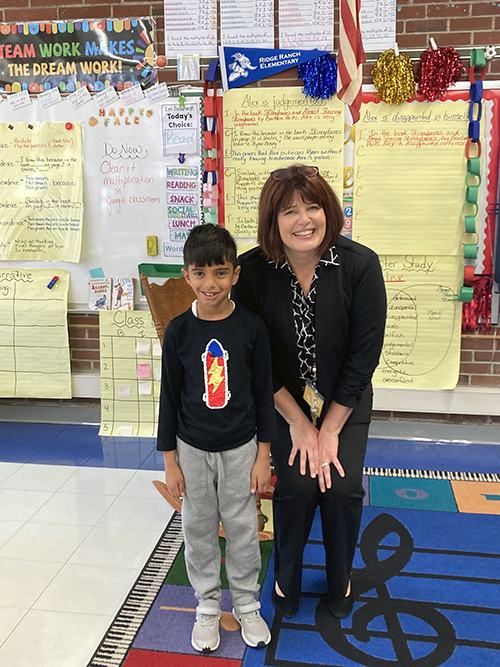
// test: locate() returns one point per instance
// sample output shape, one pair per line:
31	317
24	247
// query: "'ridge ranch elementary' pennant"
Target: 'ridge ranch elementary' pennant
240	66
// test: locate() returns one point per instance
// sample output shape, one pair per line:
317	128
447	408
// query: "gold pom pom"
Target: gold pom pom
393	77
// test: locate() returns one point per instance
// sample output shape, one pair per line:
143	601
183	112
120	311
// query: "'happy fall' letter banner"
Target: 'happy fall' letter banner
40	191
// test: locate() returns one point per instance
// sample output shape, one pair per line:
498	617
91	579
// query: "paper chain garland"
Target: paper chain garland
210	189
473	177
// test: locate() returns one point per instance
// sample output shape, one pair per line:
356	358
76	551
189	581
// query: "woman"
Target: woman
322	297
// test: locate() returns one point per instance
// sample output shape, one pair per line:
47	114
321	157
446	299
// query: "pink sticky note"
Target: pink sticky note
143	370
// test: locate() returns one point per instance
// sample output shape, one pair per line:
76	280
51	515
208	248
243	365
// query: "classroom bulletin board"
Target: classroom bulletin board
128	188
402	173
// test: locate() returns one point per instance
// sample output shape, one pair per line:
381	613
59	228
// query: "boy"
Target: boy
215	425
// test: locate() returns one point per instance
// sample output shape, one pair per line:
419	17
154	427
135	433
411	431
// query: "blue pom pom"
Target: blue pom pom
319	76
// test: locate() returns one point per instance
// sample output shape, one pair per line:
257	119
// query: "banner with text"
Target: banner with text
71	54
242	65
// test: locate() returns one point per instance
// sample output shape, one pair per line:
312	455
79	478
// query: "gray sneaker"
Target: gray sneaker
205	636
254	629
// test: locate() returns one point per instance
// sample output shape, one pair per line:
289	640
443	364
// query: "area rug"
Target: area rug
426	578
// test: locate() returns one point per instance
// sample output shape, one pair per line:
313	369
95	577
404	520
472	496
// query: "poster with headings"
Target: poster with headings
41	191
34	345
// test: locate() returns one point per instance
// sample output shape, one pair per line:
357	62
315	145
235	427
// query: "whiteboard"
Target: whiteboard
126	164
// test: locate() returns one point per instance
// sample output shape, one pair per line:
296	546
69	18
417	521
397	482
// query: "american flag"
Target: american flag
351	56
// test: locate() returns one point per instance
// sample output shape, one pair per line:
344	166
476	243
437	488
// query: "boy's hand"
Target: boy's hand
173	475
175	481
260	476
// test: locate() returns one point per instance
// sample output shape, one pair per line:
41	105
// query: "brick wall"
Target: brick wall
461	23
84	342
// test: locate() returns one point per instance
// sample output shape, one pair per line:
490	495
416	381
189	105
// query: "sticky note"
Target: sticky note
96	273
142	347
157	370
125	429
156	350
143	370
145	387
123	391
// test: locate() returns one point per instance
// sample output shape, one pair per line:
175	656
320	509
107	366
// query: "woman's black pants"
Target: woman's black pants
295	500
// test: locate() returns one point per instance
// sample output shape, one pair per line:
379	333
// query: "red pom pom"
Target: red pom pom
438	70
476	316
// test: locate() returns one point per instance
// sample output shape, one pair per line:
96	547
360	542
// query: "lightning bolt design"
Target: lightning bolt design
215	375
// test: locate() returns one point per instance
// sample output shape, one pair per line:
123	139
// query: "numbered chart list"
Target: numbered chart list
130	374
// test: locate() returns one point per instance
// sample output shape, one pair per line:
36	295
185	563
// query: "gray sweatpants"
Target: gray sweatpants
217	486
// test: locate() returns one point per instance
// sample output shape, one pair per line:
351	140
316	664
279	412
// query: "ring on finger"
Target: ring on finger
324	464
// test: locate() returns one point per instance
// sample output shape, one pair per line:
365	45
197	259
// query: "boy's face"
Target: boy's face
212	284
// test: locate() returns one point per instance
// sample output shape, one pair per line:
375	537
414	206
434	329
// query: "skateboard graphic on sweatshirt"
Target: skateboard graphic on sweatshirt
214	360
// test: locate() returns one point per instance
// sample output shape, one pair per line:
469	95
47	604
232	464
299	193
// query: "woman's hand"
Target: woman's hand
328	453
305	441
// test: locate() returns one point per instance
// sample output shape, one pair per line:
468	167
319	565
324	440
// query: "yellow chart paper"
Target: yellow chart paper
422	337
34	346
269	128
130	373
409	177
40	191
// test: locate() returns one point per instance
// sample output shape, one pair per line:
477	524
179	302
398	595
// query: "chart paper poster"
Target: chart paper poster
191	28
307	24
409	177
247	23
271	128
34	346
71	54
130	373
41	205
422	336
378	24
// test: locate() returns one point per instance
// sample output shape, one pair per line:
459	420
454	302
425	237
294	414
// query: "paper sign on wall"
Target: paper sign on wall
41	191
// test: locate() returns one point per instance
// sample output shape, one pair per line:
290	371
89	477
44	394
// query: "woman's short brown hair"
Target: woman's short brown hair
277	194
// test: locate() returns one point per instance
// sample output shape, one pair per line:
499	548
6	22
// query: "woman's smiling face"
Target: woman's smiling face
302	226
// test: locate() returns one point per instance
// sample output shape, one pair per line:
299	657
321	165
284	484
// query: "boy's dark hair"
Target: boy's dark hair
209	244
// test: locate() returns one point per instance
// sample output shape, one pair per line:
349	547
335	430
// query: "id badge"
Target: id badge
314	400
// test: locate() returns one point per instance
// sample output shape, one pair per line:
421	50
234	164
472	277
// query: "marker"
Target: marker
53	282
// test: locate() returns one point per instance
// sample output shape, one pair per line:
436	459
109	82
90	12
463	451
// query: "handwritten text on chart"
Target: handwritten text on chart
267	129
122	171
422	336
406	160
40	191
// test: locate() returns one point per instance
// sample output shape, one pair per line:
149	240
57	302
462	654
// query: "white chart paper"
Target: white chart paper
378	24
191	28
247	23
307	24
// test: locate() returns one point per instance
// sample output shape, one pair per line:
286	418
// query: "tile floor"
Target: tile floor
79	516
